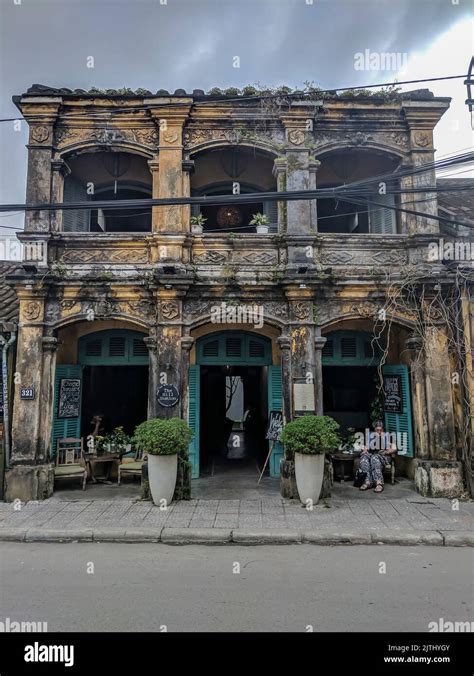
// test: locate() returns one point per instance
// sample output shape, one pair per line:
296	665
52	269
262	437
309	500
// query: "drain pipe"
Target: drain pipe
6	404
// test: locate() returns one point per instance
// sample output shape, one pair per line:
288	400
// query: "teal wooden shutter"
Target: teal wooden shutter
75	220
275	403
193	417
64	427
401	423
270	209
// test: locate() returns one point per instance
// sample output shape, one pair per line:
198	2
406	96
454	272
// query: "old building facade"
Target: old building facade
310	315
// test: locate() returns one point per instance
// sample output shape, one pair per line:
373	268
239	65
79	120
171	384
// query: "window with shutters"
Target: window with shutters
354	348
361	166
234	347
107	176
232	171
113	347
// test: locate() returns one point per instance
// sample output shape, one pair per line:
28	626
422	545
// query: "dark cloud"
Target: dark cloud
191	43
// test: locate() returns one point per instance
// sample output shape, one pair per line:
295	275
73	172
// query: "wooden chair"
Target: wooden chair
70	460
132	466
389	468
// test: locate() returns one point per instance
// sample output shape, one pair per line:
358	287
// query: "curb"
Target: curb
196	536
239	536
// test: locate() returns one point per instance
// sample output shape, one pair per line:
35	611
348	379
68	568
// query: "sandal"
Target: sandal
365	486
378	488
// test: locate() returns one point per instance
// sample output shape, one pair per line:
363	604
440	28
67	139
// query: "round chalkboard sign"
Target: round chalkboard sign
167	395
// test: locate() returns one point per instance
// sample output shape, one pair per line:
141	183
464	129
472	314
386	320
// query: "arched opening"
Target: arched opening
367	379
107	175
218	171
99	373
232	388
344	166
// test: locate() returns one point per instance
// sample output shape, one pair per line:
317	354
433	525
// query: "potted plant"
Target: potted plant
162	441
197	223
309	438
261	223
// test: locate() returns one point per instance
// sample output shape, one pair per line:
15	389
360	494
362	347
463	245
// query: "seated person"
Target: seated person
374	458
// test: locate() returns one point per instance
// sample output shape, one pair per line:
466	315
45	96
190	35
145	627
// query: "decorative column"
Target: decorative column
169	333
41	118
414	346
441	474
319	343
284	342
421	120
188	168
154	166
170	121
31	476
59	172
313	166
50	345
151	344
279	171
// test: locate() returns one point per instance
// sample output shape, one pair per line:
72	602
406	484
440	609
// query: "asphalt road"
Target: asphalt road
136	587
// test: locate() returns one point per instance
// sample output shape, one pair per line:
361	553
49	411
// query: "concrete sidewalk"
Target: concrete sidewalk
268	520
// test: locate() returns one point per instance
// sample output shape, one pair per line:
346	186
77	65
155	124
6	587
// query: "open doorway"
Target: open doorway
120	393
233	418
349	393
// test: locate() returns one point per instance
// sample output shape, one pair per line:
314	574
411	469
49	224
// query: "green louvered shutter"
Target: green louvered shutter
64	427
193	417
275	403
401	423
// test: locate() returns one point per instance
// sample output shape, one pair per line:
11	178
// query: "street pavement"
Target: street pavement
363	519
141	587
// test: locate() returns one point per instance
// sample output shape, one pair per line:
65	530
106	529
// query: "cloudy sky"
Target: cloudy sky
191	44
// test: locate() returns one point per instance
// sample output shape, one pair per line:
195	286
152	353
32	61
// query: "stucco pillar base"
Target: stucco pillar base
29	482
439	478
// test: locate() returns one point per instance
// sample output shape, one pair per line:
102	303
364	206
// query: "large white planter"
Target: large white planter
162	472
262	229
309	472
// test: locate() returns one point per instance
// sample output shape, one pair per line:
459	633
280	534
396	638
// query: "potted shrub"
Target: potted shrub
309	438
261	223
197	223
162	441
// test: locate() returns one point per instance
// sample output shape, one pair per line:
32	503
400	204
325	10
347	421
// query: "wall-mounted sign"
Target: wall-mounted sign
275	426
167	395
27	393
69	403
303	398
393	397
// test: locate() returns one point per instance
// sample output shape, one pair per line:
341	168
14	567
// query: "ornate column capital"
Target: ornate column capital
284	342
61	167
186	343
151	343
49	343
414	344
319	342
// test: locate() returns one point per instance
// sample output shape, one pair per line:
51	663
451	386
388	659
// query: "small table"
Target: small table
107	460
343	464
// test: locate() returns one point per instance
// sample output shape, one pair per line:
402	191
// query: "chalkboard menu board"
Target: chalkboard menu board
69	404
275	426
393	397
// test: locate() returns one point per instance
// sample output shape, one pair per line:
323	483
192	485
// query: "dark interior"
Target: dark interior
122	220
120	393
348	393
218	432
